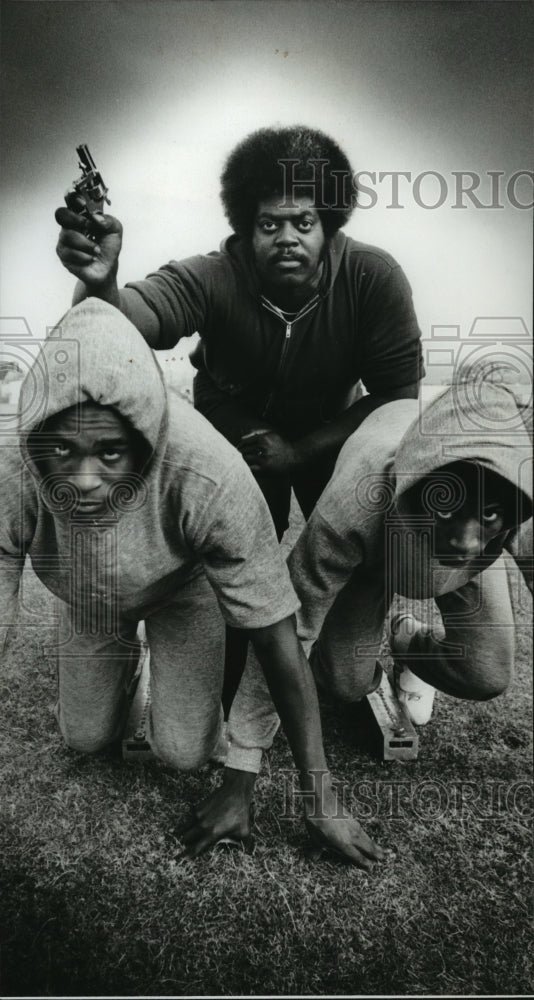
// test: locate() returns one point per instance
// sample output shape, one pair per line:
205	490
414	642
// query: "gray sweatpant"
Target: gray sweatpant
186	639
471	656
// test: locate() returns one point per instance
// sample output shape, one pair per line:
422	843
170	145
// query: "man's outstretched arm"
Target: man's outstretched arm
294	694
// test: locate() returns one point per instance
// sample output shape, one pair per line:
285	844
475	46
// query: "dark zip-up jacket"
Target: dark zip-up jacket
361	325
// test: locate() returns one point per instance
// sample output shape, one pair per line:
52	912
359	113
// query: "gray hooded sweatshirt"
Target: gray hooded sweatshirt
398	445
195	509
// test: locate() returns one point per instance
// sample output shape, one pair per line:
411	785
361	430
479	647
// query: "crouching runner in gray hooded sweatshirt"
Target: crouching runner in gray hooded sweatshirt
421	503
132	507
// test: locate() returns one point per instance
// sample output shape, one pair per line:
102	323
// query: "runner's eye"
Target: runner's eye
492	514
111	456
61	450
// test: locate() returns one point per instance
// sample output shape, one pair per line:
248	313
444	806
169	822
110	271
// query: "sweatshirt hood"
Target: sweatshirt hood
469	422
94	354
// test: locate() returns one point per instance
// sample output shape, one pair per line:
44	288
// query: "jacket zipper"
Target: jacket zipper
285	346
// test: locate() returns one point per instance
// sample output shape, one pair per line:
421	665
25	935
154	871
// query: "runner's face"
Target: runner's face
462	536
90	449
288	245
465	526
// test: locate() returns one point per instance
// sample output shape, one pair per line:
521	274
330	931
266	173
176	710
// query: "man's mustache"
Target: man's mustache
287	256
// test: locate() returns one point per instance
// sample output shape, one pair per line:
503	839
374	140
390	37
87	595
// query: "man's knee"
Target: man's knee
492	668
477	678
361	676
89	739
488	686
183	754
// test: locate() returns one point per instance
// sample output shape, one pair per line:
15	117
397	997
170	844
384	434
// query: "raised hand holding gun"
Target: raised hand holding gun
89	242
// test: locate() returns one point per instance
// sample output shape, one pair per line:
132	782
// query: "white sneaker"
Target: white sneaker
416	695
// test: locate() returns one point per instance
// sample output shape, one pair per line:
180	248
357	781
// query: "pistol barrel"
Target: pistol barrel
87	164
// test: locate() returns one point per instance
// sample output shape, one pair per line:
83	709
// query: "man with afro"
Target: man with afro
293	315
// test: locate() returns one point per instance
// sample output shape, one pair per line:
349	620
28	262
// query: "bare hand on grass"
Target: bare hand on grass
331	828
222	816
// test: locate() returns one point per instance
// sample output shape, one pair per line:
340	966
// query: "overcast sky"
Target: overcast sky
162	90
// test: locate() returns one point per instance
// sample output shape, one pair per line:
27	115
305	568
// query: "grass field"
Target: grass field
95	900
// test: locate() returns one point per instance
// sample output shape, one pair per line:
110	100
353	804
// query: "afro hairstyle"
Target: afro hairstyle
253	172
